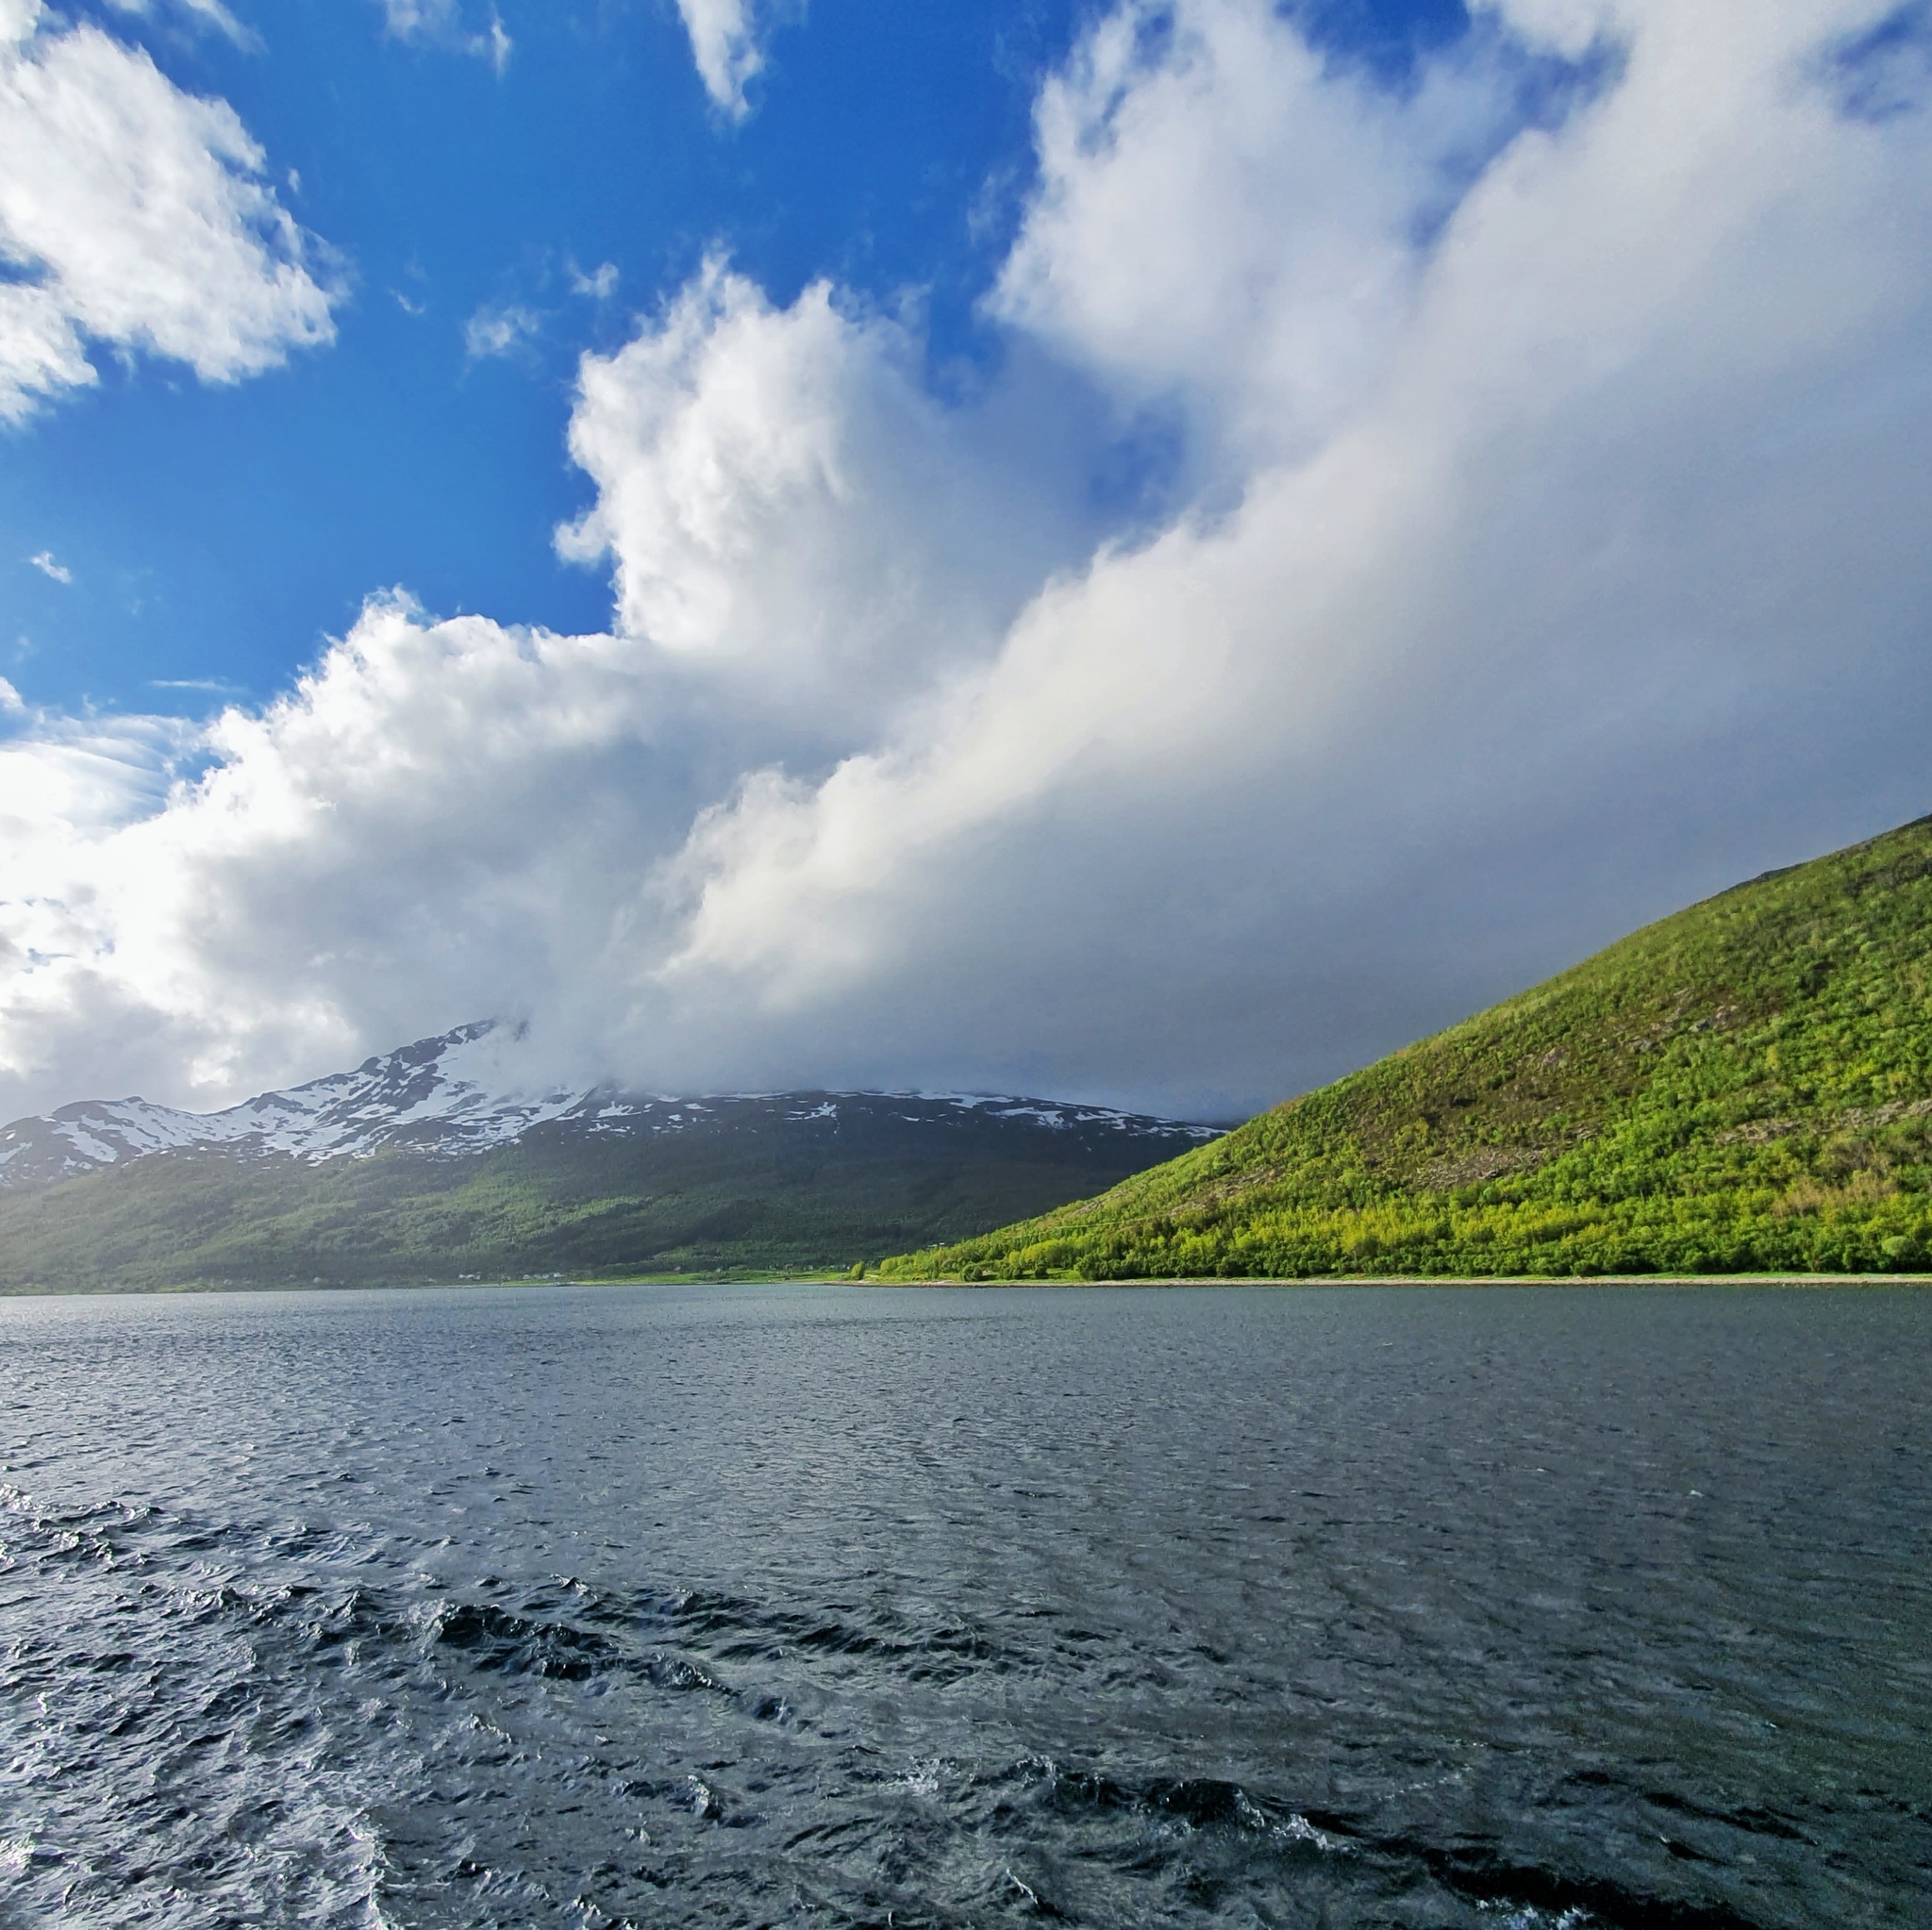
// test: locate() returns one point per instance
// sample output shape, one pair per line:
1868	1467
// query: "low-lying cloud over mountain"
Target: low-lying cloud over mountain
1532	540
469	1092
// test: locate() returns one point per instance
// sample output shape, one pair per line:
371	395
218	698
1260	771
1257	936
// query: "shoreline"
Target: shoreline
1457	1280
842	1279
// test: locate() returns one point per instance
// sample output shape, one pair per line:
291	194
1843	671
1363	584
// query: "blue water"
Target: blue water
846	1606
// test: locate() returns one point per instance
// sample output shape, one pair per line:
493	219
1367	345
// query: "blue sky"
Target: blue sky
219	532
1002	445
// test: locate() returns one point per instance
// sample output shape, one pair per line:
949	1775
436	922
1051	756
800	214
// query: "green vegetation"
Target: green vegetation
1745	1087
716	1205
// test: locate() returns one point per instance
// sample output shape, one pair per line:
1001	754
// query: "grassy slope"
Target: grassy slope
611	1205
1747	1085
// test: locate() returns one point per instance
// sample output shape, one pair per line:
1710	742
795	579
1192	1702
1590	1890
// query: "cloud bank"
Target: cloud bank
1543	546
134	216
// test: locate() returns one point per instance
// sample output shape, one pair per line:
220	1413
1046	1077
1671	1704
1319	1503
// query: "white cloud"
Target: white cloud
1549	564
440	23
325	880
1551	556
222	20
201	12
598	285
1224	220
783	502
44	562
499	330
138	216
41	349
724	44
457	748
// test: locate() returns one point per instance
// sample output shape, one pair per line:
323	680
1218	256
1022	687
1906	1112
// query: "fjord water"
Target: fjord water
828	1606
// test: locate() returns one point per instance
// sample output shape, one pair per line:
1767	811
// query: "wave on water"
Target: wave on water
217	1724
1218	1612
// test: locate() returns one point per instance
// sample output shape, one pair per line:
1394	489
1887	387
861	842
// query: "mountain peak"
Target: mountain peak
462	1093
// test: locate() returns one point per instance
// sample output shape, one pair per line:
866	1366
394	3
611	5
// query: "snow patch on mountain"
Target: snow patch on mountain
461	1095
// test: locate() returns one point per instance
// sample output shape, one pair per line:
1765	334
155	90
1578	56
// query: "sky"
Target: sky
1136	552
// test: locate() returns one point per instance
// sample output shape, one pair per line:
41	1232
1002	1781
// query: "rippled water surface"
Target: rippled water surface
828	1606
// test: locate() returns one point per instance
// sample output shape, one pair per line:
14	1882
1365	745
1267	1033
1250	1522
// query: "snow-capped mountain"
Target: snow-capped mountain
458	1095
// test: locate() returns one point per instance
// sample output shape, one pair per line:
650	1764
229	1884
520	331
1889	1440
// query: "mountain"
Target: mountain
439	1095
1746	1085
436	1162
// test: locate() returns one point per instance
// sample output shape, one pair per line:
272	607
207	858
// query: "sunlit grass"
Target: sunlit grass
1745	1087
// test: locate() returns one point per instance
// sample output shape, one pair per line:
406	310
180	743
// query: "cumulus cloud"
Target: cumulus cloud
724	43
429	775
159	871
44	560
134	216
1548	550
784	502
1226	222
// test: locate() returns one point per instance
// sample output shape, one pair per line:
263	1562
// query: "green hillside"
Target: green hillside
1745	1085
